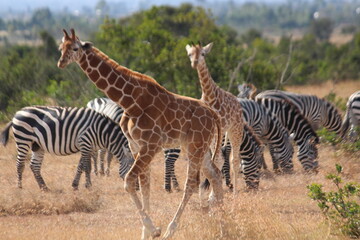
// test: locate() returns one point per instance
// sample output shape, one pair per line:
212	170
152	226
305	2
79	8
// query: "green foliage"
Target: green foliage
331	138
321	28
339	206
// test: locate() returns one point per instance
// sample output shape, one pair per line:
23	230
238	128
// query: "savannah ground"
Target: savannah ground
280	209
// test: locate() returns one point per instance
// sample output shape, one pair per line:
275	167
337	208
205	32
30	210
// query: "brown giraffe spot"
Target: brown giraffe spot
146	122
120	81
176	124
169	115
127	88
94	61
102	84
111	79
134	110
173	133
94	75
127	101
104	69
114	94
152	90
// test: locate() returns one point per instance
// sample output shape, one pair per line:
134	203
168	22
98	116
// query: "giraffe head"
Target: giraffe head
197	53
71	49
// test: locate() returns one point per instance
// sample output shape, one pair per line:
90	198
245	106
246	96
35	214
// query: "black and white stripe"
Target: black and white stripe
319	112
298	126
113	111
64	131
270	130
352	117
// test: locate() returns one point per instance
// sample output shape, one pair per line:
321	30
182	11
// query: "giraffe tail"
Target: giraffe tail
219	137
4	137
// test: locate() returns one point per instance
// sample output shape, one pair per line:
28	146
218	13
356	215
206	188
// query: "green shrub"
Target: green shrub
339	206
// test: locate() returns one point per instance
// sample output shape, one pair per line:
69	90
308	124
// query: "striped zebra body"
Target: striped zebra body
319	112
251	154
352	117
113	111
271	131
298	126
64	131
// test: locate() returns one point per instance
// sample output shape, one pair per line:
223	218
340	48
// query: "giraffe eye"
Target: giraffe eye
203	54
75	49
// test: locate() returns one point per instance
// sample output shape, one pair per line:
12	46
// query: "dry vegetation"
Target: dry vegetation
280	209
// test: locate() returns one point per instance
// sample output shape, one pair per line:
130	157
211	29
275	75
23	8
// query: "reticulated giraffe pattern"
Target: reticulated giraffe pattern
153	118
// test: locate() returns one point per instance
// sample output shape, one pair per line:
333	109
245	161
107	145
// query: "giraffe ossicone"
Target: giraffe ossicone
153	118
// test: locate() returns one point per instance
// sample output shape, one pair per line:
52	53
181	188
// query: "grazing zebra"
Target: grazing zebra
64	131
319	112
298	126
352	116
113	111
251	154
271	132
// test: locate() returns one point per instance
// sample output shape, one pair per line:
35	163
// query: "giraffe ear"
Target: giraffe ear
188	47
86	45
207	48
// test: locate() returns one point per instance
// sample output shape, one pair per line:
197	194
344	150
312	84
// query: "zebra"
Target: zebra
113	111
318	111
300	129
272	132
247	90
352	116
64	131
251	154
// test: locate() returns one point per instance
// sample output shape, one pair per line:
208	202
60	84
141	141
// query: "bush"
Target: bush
339	206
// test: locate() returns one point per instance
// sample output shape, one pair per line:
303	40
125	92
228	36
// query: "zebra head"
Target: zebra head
308	154
246	90
71	48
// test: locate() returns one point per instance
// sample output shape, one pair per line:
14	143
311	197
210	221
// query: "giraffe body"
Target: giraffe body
153	118
223	102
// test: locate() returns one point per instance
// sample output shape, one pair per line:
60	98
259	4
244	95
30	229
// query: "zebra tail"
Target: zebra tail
346	123
205	185
4	137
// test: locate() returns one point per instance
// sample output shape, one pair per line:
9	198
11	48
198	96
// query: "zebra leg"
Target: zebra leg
75	183
94	156
109	157
86	158
35	166
22	151
102	156
167	176
226	167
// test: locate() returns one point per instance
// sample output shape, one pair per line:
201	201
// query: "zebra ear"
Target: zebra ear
292	136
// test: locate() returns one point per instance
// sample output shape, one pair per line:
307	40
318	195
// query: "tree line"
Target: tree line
153	42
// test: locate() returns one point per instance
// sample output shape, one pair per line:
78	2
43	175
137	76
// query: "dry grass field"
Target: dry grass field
280	209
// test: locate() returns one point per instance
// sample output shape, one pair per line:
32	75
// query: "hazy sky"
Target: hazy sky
23	5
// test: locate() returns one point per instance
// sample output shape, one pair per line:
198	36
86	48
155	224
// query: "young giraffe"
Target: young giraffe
153	118
221	101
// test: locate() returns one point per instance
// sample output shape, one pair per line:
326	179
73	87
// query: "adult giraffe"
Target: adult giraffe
153	118
223	102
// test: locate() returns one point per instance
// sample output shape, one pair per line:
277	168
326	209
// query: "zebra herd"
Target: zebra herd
273	118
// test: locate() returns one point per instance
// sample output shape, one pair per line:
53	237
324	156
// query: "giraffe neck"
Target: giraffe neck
208	85
120	84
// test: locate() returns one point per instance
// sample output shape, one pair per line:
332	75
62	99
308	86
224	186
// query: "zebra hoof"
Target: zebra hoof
45	189
156	233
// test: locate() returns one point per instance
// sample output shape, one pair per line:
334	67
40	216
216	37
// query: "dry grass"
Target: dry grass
342	89
280	209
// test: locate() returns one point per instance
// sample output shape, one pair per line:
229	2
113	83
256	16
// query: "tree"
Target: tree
321	28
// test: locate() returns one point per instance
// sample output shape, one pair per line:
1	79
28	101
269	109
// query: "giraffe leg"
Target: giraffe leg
142	163
35	166
235	137
22	151
191	184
